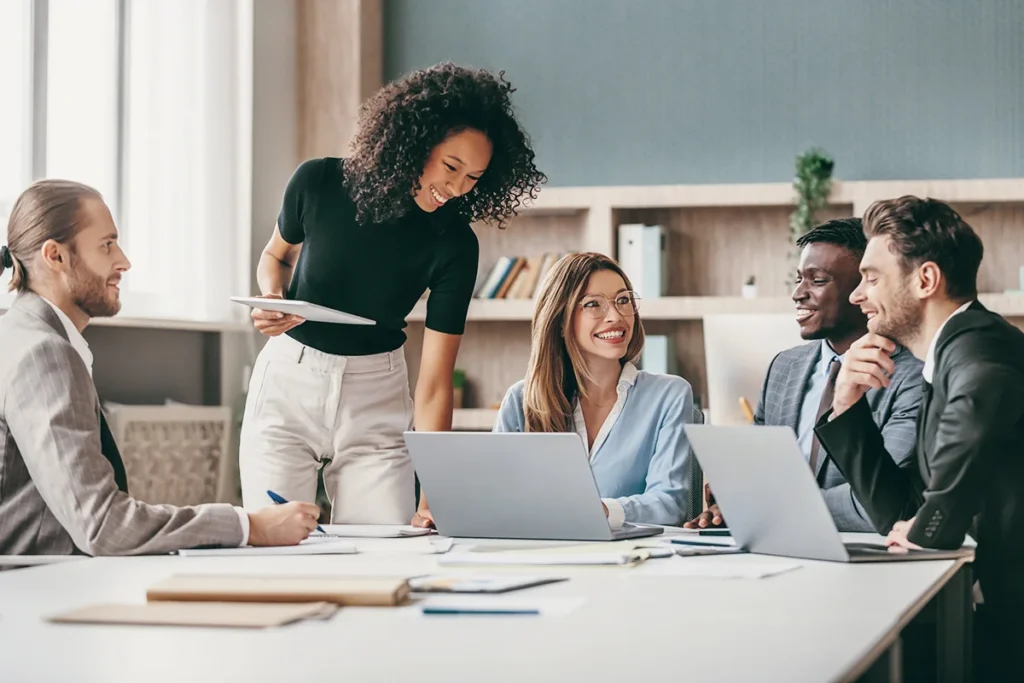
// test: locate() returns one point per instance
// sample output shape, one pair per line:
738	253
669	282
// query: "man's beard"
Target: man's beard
902	323
89	292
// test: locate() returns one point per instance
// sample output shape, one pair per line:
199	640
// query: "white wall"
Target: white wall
275	115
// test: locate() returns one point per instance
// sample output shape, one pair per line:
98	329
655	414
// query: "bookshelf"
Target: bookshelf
717	236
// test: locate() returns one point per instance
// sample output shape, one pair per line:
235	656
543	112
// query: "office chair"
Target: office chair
695	497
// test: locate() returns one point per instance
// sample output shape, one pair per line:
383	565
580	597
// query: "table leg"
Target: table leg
955	633
888	668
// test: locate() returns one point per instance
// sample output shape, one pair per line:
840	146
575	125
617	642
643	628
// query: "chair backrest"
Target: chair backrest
695	498
173	453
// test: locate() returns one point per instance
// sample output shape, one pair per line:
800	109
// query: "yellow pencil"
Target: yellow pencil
745	406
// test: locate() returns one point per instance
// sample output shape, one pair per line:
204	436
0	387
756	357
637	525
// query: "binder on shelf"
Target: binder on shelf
644	259
659	355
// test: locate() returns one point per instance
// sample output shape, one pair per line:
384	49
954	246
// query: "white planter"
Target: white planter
749	291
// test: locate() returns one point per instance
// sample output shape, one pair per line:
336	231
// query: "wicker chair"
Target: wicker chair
173	453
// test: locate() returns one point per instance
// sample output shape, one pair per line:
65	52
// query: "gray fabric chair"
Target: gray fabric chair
695	499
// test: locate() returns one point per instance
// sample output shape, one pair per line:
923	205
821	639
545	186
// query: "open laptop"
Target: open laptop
771	501
513	485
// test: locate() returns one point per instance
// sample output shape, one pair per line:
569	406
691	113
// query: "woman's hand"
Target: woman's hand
423	519
273	323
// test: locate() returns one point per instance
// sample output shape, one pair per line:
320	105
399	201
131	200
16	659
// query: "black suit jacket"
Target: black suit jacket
970	454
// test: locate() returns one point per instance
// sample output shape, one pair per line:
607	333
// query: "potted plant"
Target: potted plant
750	288
458	388
813	183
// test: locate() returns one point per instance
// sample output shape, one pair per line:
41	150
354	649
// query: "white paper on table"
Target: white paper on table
709	567
547	606
371	531
532	557
421	545
310	546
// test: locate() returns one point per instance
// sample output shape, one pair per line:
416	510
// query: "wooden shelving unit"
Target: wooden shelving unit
718	235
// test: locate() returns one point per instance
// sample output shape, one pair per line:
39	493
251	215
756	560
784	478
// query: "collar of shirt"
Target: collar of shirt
78	342
627	378
827	354
929	360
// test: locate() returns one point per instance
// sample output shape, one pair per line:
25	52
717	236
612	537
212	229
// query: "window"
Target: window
16	113
148	101
81	94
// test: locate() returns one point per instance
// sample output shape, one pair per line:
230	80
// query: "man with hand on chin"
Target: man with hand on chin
919	289
798	386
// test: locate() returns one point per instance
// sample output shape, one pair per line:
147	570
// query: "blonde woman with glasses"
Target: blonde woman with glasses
581	378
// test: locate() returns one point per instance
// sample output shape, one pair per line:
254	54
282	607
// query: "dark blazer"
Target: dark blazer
970	455
894	410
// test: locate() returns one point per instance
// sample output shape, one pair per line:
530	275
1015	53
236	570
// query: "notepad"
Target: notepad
479	583
314	545
339	590
622	559
222	614
713	568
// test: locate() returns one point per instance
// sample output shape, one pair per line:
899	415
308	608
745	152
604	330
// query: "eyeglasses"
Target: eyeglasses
596	306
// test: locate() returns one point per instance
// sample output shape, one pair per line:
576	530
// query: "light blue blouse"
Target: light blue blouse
641	457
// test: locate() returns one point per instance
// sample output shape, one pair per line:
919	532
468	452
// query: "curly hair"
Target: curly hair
406	119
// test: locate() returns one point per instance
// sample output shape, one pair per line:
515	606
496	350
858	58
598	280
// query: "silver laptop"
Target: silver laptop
771	501
513	485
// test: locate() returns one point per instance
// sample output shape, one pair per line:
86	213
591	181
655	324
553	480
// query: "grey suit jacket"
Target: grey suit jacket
894	410
57	491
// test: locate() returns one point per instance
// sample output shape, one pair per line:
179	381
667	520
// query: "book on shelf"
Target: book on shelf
516	277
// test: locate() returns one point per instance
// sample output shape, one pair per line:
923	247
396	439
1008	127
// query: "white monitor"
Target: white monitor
738	348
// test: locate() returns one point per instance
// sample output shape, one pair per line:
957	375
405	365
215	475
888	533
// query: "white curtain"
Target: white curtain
187	151
156	113
16	110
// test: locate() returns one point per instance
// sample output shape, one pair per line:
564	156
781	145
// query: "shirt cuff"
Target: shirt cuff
616	513
243	519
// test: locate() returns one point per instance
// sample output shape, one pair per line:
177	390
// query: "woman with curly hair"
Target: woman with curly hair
368	235
581	378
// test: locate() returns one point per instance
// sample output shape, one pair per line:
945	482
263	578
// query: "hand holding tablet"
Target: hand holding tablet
273	315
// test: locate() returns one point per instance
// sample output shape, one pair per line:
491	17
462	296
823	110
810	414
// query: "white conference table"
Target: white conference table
821	622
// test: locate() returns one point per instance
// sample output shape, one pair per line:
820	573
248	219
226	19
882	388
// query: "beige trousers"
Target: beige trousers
306	409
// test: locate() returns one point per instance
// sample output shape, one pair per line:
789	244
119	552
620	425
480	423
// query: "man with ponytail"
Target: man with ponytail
63	486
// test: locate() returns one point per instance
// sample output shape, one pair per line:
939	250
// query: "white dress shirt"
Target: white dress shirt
616	513
81	346
78	342
929	361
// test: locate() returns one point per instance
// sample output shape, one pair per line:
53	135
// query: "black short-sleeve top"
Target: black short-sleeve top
378	271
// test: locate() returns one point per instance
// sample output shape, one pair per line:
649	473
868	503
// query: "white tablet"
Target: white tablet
304	309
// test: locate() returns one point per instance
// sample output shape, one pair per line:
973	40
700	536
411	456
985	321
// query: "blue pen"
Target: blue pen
281	501
455	610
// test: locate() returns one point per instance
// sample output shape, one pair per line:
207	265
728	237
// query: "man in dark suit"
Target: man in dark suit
799	383
919	289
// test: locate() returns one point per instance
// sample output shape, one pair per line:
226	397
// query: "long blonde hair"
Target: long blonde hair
557	374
